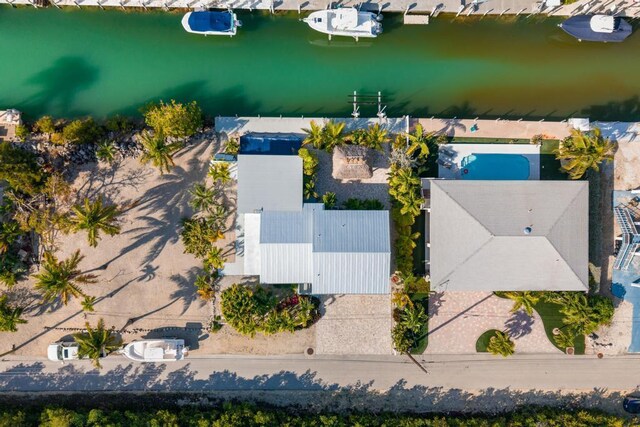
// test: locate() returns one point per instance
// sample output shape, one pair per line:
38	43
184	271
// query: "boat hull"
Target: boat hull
211	23
580	27
159	350
365	24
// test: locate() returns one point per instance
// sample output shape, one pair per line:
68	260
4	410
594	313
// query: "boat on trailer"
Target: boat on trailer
597	28
156	350
211	23
348	21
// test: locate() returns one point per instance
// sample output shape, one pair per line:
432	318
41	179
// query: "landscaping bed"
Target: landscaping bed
552	318
483	340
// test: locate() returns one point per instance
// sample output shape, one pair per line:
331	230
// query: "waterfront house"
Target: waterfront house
507	235
286	241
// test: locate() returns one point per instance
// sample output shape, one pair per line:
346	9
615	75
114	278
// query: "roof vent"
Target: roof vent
527	230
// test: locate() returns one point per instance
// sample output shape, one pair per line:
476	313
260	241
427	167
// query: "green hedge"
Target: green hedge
248	416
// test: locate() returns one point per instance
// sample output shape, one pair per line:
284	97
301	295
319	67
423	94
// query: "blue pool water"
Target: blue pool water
495	167
270	143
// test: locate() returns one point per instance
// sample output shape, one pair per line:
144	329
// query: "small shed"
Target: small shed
351	162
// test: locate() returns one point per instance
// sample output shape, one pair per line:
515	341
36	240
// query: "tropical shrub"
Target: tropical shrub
106	151
327	137
232	146
363	204
583	314
309	188
10	315
524	301
22	132
45	124
20	170
174	119
501	344
220	173
119	124
309	161
198	236
330	200
374	137
583	151
81	131
251	310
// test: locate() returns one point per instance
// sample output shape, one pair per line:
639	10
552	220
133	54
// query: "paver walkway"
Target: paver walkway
457	319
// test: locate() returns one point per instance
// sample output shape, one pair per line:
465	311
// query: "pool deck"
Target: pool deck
530	152
462	8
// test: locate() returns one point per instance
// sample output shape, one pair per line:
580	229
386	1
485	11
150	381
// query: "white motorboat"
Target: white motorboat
158	350
211	23
347	21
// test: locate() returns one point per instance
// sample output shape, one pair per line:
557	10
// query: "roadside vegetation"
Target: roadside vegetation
243	415
567	316
39	205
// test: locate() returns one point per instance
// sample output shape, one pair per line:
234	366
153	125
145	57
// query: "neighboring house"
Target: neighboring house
508	235
286	241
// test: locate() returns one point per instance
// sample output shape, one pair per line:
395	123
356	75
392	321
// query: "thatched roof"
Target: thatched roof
351	162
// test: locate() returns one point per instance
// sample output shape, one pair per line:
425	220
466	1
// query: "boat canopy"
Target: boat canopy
603	24
211	21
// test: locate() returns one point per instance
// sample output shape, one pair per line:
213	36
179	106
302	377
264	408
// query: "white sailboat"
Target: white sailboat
348	21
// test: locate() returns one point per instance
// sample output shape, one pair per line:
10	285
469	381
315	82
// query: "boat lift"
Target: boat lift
368	99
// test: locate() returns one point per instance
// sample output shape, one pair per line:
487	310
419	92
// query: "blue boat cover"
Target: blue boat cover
579	26
210	21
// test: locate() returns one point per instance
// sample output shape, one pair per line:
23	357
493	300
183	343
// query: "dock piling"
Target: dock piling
504	11
460	9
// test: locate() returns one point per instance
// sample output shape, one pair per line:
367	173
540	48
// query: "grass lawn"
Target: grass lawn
552	318
483	340
422	299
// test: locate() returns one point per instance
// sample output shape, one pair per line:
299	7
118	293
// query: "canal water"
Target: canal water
77	62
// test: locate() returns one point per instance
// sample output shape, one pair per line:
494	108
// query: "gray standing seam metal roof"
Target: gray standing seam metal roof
479	237
338	252
269	182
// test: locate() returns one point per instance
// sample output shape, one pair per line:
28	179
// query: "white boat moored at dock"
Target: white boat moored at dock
348	21
210	23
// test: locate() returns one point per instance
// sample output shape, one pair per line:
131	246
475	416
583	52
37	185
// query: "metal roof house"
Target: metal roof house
286	241
508	235
269	182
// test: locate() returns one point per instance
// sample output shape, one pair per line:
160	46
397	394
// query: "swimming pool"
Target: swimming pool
270	143
494	167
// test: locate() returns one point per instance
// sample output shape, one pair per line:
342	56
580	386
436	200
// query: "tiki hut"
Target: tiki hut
351	162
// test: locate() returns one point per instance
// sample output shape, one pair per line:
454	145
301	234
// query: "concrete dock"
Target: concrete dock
461	8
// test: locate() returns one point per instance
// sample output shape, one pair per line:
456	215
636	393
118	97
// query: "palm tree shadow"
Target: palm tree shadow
60	84
186	289
519	324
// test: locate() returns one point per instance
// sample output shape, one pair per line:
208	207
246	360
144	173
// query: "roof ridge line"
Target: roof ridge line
565	209
567	264
446	276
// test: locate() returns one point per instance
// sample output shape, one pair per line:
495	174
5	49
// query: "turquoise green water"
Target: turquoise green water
69	63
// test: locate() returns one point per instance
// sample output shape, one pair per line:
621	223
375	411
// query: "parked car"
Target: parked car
631	404
61	351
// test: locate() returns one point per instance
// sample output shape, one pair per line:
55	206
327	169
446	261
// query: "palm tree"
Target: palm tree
304	311
9	233
333	133
564	339
158	151
374	137
220	173
203	198
315	135
501	344
523	300
88	302
96	343
583	151
61	278
214	259
418	142
106	151
95	217
10	316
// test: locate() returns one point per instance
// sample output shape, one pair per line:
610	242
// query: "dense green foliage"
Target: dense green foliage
20	170
81	131
501	344
410	316
241	415
327	137
10	315
158	151
250	310
174	119
330	200
374	137
363	204
583	151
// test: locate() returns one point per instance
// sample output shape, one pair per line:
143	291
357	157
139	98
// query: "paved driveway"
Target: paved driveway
457	319
354	324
